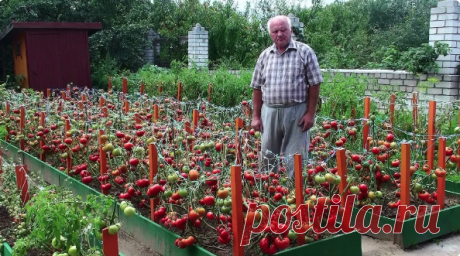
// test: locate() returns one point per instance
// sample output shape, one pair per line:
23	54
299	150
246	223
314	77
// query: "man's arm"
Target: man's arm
308	118
256	111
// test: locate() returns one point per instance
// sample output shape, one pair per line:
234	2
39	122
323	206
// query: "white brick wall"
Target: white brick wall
198	46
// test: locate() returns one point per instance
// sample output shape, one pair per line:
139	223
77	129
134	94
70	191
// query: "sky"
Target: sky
242	3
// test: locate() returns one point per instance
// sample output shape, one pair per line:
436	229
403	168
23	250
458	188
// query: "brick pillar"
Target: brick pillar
198	47
295	22
445	28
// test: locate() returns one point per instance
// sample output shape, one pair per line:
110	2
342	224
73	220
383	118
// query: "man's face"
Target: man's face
280	32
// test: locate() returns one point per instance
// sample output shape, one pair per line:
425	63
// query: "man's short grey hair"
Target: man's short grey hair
288	20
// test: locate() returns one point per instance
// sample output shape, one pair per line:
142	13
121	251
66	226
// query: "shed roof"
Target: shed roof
13	27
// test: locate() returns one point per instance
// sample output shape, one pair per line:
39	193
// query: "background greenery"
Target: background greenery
345	34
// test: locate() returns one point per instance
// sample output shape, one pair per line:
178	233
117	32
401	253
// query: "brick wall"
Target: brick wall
198	46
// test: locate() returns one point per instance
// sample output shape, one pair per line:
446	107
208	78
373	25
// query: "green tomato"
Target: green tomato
320	179
225	209
117	152
354	190
183	192
129	211
228	202
292	235
123	205
418	187
73	251
113	229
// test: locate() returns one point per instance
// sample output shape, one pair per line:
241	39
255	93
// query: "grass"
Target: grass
2	131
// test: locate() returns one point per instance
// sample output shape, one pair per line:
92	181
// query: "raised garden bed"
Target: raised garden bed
447	222
159	238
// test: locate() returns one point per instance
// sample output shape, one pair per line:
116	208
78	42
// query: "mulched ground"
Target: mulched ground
6	223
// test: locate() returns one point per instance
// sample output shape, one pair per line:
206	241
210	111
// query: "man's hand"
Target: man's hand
307	121
257	125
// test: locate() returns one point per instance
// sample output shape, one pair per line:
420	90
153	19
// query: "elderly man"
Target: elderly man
286	83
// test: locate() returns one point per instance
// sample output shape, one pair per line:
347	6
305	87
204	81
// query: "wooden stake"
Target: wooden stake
299	191
179	91
343	173
392	110
21	182
195	119
155	113
431	134
102	155
22	125
48	93
237	210
153	168
126	107
239	125
367	109
209	92
63	96
142	89
125	85
441	180
189	130
109	85
109	243
69	159
42	142
405	177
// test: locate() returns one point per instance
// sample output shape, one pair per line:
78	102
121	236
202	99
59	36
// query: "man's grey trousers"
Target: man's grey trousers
282	135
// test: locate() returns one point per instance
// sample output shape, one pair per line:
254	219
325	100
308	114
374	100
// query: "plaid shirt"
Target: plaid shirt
285	78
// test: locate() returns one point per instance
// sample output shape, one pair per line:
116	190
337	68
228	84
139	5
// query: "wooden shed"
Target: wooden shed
50	54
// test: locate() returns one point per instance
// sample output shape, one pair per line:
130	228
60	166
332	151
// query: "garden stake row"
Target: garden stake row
431	134
405	178
42	142
69	158
367	109
22	183
237	210
109	243
343	173
299	192
153	170
441	179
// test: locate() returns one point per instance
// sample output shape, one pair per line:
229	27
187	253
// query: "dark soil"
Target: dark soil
6	223
37	252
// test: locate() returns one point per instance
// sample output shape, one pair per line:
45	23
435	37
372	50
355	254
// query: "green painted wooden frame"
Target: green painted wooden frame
159	238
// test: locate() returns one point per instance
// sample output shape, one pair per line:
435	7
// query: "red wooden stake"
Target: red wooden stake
142	89
195	119
441	180
22	125
155	113
209	92
405	178
109	85
109	243
63	95
237	209
48	93
21	182
42	142
239	125
153	168
431	135
69	159
159	90
367	109
343	173
299	192
101	102
126	107
392	110
125	85
179	91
